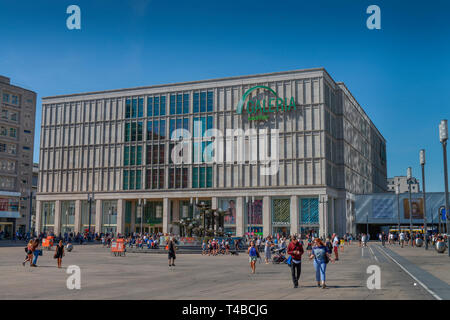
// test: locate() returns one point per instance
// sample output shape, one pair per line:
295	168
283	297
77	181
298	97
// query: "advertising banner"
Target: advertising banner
417	208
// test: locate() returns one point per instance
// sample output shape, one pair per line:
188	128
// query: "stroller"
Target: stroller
279	256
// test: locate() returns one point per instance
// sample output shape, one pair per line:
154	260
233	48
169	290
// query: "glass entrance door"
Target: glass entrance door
6	229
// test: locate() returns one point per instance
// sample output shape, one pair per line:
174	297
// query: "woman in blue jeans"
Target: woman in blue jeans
36	250
321	254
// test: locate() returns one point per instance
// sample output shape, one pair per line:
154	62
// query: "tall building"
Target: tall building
115	158
402	182
18	106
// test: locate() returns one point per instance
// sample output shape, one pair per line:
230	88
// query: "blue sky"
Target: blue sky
398	74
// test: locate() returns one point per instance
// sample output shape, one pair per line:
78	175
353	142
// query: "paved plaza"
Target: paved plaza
415	274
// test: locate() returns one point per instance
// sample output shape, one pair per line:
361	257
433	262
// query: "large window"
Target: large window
281	216
132	180
109	216
133	131
156	129
180	123
132	155
153	213
179	103
155	154
67	216
201	125
309	211
156	106
202	177
203	102
134	107
48	216
155	178
178	178
85	215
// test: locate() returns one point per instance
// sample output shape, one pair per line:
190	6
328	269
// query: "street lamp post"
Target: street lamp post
409	180
90	200
109	219
397	191
140	212
443	137
367	225
45	219
422	163
31	212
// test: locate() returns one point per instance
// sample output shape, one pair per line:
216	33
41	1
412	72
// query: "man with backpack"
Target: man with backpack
295	250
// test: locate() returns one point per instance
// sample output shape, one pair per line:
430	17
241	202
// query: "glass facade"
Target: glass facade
281	216
309	211
109	216
85	216
152	216
48	216
67	216
229	205
254	216
132	179
202	177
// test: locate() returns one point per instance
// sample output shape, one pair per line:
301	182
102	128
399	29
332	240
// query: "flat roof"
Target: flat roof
193	82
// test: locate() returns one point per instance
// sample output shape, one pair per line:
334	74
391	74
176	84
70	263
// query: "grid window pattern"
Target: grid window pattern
133	131
153	212
132	180
154	178
155	154
178	178
134	107
203	102
309	213
156	106
179	123
156	129
201	125
179	103
132	155
202	177
281	211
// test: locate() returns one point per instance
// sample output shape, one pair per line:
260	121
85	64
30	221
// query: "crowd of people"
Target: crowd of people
406	239
318	250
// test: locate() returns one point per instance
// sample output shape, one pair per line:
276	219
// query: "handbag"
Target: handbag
289	260
326	258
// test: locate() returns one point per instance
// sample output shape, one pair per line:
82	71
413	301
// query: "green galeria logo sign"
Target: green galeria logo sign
258	109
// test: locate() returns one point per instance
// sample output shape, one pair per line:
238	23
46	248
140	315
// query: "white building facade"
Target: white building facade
107	156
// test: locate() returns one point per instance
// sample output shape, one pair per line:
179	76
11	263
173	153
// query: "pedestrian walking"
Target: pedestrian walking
383	239
402	238
253	255
36	252
29	252
321	255
59	253
172	254
267	250
335	246
295	250
309	245
364	240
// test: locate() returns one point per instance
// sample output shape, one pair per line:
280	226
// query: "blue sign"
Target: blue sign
443	215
